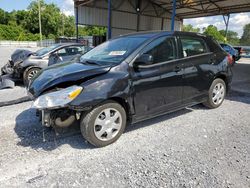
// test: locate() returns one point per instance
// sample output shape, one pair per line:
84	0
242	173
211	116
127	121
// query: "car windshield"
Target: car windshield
113	51
44	51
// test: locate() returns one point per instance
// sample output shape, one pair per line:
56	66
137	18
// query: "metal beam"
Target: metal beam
138	10
214	11
173	15
226	19
77	22
109	19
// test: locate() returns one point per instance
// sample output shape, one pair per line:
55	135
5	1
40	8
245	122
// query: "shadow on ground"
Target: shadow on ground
33	134
238	97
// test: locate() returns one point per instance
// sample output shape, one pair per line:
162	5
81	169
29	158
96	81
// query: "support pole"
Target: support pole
40	22
173	15
226	19
109	19
77	22
138	11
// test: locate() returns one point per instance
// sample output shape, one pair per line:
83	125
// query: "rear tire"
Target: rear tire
216	94
29	73
104	124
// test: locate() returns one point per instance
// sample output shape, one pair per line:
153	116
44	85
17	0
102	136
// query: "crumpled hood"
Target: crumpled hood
64	73
20	55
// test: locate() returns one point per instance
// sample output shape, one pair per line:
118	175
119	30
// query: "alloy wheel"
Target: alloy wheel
32	74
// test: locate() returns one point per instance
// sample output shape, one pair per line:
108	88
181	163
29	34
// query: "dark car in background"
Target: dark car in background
25	64
129	79
234	53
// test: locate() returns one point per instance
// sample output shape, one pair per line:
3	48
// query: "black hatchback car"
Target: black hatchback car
129	79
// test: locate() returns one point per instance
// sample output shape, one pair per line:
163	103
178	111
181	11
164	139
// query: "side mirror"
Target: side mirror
144	59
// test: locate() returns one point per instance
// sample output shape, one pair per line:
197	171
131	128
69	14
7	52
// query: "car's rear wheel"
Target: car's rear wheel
104	124
216	94
29	74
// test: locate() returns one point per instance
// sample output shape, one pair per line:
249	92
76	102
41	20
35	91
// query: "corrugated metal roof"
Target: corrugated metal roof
191	8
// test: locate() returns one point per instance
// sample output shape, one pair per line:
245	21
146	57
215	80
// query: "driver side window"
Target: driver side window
162	49
62	52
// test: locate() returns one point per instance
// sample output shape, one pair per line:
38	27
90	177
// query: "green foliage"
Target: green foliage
190	28
92	31
232	37
213	31
68	26
3	17
50	15
9	32
24	24
245	39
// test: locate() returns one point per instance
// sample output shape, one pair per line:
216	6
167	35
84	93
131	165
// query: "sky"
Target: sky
67	6
237	21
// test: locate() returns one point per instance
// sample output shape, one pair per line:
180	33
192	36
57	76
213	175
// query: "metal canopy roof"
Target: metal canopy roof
192	8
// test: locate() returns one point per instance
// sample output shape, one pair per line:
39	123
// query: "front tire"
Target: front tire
29	73
104	124
216	94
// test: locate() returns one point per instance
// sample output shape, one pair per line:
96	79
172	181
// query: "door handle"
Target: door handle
177	69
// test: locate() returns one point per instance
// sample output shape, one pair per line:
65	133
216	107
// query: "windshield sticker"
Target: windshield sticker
117	53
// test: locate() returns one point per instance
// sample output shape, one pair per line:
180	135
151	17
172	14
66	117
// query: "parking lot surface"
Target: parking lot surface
194	147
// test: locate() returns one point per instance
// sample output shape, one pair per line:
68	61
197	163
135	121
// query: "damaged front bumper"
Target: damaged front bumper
6	82
53	107
7	68
58	118
15	71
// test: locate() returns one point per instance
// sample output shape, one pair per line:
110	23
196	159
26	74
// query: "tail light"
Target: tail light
230	59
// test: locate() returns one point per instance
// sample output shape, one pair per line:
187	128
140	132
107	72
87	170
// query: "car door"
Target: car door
196	62
158	87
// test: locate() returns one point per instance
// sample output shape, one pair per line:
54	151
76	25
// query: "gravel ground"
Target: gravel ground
194	147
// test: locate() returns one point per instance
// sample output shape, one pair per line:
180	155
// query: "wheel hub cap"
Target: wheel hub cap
108	124
218	93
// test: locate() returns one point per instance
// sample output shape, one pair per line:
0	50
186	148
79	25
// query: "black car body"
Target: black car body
147	74
25	62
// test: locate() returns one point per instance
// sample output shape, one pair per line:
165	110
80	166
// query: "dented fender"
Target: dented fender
115	85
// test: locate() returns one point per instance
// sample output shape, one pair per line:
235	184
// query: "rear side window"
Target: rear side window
74	50
70	50
162	49
193	46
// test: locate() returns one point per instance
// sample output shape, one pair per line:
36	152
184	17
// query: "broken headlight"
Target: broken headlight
58	98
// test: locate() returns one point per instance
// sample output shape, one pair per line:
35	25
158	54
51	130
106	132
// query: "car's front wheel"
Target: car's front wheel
29	74
216	94
104	124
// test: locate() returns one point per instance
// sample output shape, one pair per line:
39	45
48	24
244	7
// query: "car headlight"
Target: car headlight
58	98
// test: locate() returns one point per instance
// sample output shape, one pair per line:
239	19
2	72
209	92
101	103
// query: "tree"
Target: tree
3	18
245	39
20	16
50	15
190	28
213	31
232	37
68	28
23	24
